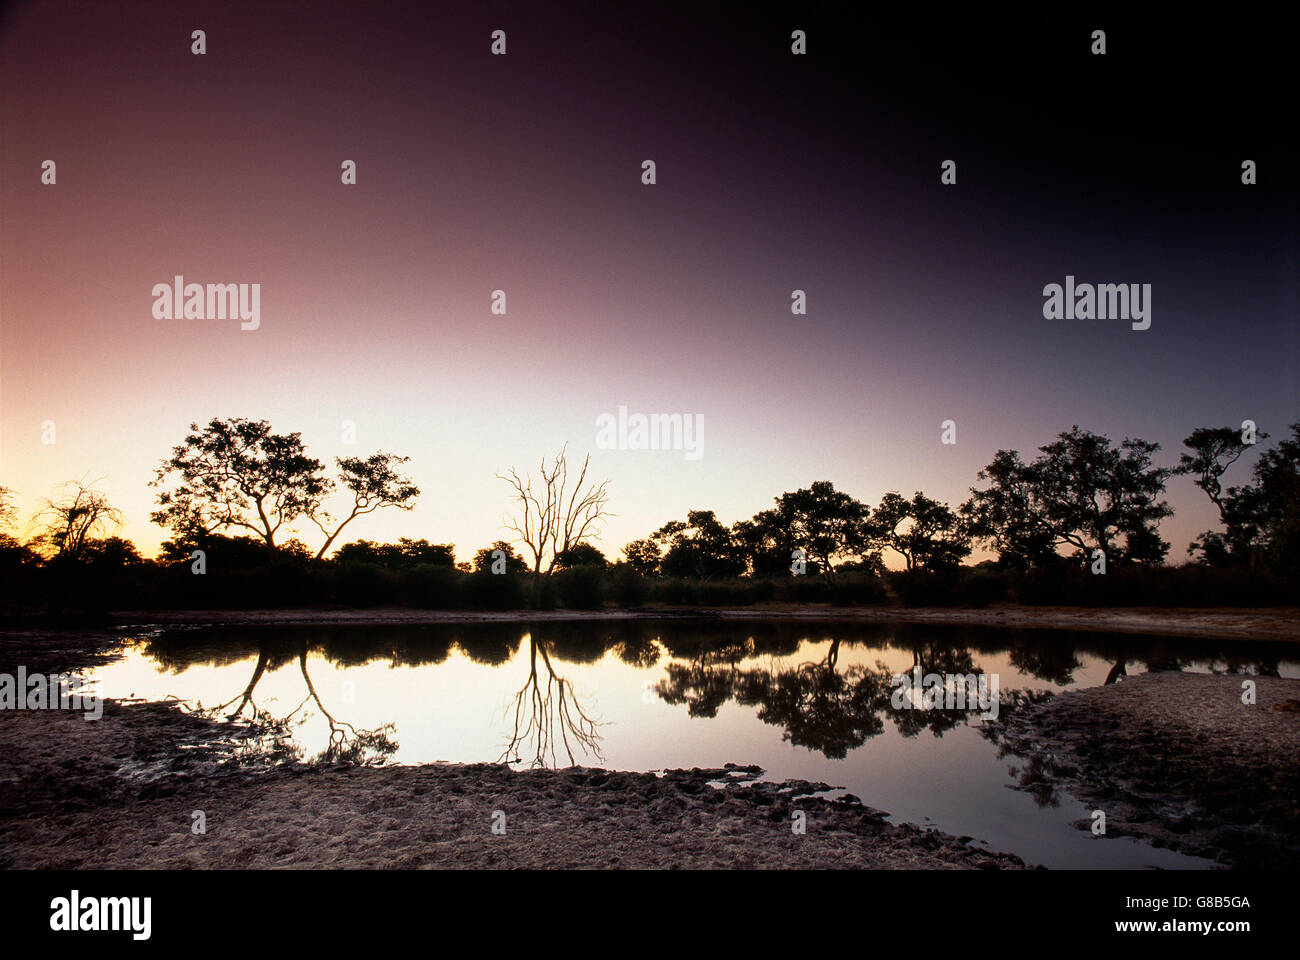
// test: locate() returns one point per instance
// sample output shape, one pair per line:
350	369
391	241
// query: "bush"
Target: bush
858	588
923	588
581	587
431	586
488	591
675	591
629	588
726	593
980	587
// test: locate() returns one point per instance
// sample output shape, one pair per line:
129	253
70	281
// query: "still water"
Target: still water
808	701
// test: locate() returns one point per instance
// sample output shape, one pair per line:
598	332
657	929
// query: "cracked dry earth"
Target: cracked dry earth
1175	758
120	793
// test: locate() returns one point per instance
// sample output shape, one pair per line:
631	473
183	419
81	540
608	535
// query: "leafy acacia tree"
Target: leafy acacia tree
1010	515
373	482
1082	492
927	534
238	474
765	544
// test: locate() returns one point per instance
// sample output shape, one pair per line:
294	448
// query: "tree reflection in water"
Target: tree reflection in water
818	705
548	715
271	736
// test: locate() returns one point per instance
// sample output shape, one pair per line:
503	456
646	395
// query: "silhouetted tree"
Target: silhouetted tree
643	556
1273	500
1213	451
828	524
555	517
514	563
72	519
237	473
374	483
700	547
1082	492
924	532
580	555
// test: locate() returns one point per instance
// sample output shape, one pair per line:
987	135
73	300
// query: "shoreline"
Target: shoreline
1281	624
1176	759
127	793
1170	757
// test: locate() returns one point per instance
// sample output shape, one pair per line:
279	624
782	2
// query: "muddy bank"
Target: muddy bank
1275	623
122	792
1174	758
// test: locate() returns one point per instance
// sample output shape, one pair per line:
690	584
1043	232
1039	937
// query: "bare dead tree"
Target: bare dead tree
555	517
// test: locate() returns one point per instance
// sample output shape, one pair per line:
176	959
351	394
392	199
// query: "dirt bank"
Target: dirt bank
1176	758
122	792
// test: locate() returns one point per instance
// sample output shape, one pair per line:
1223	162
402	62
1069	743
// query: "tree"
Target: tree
8	513
374	483
701	547
1213	451
1081	491
69	522
483	559
1273	501
581	555
927	534
1096	495
643	556
765	544
1009	515
555	517
237	473
826	523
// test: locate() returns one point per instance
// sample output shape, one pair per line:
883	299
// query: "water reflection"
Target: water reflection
820	704
807	700
547	713
272	734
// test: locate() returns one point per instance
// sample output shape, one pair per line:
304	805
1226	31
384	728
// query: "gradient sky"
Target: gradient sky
522	173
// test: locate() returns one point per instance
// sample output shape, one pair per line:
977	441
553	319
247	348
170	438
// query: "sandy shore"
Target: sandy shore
1271	623
123	792
1175	758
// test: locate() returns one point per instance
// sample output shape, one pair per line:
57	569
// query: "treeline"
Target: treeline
1082	508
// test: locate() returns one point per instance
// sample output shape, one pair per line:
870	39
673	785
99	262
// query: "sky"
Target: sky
775	172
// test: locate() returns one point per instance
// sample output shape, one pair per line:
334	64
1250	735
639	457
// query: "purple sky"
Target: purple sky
522	173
